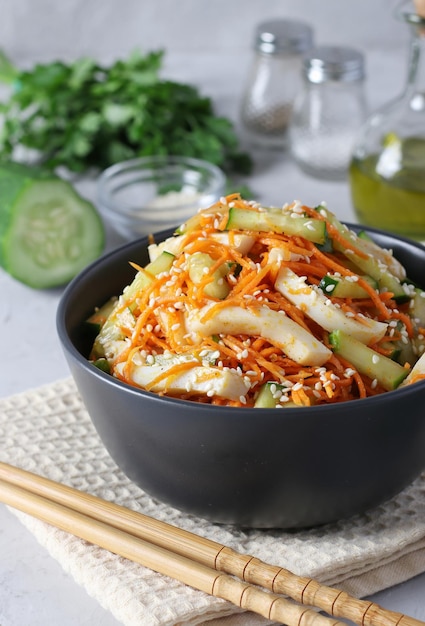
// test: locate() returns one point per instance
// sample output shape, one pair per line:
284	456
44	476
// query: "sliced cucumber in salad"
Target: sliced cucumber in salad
369	362
278	222
48	232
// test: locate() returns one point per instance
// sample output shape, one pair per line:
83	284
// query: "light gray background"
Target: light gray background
41	29
192	30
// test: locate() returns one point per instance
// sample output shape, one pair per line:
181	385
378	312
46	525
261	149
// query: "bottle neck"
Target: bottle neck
416	72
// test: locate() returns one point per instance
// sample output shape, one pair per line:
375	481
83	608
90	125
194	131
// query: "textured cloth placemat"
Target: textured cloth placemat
47	431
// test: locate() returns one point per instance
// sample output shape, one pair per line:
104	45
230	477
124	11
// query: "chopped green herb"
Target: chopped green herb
82	115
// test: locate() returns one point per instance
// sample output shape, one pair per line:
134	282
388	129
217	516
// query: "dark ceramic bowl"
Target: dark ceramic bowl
266	468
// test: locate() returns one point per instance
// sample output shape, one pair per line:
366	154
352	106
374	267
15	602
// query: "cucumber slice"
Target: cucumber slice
92	326
110	340
343	287
394	350
377	264
417	307
160	264
99	317
270	221
48	233
198	265
369	362
103	365
269	397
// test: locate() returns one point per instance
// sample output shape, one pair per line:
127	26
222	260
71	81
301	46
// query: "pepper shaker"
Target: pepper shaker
328	111
274	80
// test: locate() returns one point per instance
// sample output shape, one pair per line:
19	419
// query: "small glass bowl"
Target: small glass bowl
149	194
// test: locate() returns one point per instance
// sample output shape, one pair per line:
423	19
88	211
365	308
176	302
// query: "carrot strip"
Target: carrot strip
172	373
338	267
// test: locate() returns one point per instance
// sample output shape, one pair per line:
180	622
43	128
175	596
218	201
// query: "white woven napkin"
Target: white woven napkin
47	430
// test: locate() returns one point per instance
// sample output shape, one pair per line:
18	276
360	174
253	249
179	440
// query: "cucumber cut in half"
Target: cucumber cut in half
48	232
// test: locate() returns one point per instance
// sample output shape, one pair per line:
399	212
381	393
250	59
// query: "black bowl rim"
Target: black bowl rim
68	345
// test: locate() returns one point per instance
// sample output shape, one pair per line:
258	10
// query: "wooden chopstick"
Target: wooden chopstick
187	557
161	560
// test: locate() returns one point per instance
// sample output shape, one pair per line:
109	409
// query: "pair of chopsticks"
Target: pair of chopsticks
271	591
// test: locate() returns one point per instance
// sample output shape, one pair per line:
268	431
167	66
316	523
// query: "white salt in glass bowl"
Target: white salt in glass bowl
149	194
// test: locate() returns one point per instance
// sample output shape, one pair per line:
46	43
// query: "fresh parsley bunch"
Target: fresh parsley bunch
82	115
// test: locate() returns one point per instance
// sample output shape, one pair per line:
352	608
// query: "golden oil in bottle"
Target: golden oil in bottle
388	189
387	171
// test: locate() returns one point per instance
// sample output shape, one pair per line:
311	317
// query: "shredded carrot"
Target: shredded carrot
416	379
160	313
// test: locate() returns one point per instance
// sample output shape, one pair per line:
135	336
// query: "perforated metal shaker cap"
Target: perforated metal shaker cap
279	35
325	63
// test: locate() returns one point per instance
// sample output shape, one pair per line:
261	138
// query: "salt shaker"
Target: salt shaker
328	112
274	80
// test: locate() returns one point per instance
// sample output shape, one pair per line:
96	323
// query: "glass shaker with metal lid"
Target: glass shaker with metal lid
329	111
274	80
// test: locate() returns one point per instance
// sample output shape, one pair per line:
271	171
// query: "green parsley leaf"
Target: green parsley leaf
85	116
